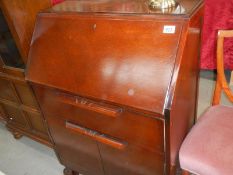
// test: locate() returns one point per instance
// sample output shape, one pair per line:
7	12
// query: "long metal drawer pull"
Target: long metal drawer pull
90	105
96	135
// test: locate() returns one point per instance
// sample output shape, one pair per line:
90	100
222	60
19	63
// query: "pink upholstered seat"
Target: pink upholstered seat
208	148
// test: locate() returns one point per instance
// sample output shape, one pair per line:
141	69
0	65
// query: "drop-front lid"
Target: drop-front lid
125	60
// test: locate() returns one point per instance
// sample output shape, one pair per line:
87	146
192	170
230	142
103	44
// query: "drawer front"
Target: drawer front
106	119
131	160
76	151
86	151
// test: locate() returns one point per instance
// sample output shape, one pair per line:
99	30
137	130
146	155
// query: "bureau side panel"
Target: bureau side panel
183	108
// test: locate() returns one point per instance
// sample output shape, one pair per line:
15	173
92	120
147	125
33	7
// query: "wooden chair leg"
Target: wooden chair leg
217	93
185	172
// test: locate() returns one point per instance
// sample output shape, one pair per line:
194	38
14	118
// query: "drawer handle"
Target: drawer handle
90	105
96	135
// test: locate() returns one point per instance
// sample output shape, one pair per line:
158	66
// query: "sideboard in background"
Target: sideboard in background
18	105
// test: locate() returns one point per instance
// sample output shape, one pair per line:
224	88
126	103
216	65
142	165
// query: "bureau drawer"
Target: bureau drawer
76	151
84	153
105	119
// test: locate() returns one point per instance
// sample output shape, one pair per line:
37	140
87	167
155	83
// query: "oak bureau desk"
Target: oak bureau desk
117	83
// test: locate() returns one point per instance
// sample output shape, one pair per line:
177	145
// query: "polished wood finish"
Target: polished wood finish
149	96
21	15
185	87
117	90
118	127
184	7
221	83
20	109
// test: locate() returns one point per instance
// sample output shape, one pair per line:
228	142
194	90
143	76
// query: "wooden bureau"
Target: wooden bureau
117	83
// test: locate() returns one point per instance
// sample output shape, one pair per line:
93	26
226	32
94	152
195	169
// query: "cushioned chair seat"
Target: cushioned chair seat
208	148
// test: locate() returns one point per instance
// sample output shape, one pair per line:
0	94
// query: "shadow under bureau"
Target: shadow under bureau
117	83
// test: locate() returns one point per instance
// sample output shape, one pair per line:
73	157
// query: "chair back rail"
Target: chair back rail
221	84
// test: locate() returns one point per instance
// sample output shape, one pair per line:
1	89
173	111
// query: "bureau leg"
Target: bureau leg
173	170
185	172
68	171
16	134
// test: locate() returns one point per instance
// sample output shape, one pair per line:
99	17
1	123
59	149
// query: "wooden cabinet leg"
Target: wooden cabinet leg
68	171
16	134
172	170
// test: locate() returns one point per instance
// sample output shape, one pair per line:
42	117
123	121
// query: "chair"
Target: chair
208	148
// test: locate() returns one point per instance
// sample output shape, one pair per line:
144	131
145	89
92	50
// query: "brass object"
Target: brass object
162	4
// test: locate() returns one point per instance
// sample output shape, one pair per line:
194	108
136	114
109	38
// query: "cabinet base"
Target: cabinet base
68	171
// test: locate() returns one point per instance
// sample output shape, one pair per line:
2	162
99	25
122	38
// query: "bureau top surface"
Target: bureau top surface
184	7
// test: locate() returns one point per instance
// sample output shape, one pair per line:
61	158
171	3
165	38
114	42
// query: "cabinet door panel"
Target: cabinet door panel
15	116
132	160
7	91
37	124
75	150
26	95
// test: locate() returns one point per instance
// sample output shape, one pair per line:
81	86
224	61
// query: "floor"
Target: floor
26	157
36	159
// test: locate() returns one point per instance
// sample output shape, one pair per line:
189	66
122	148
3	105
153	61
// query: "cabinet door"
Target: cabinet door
76	151
15	116
131	160
26	95
37	124
7	91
